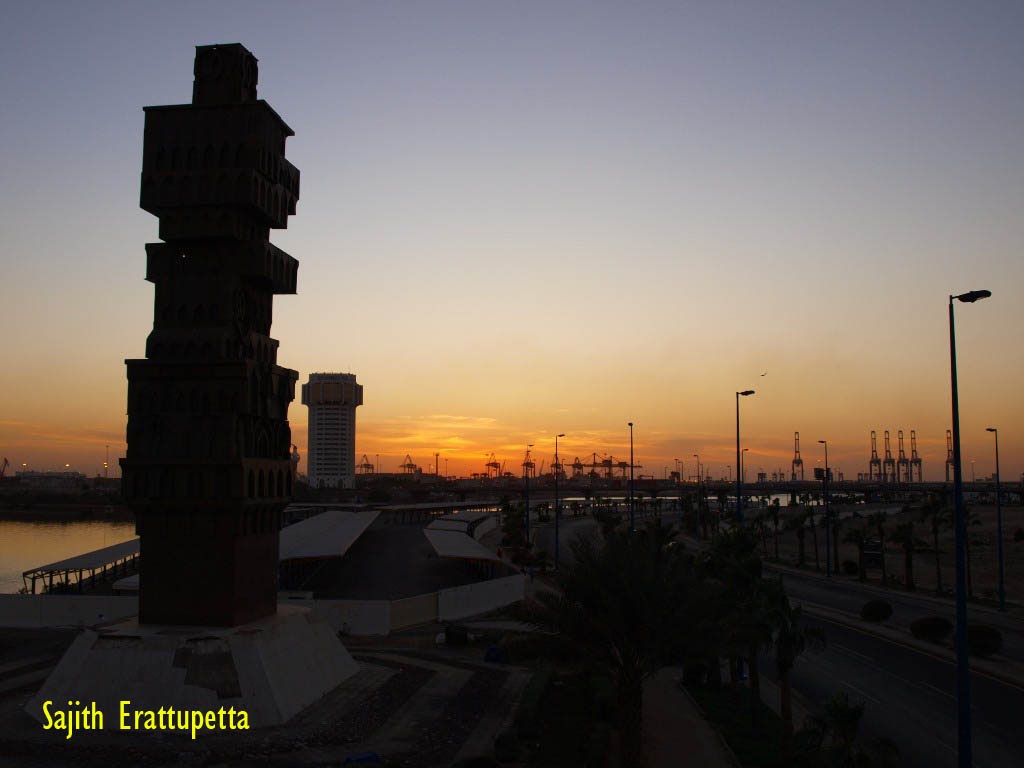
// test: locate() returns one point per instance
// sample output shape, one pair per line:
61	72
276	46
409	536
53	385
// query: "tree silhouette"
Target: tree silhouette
935	511
623	604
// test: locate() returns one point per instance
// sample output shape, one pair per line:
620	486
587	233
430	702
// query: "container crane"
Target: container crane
949	453
529	466
492	463
798	463
875	465
902	463
915	460
888	463
3	468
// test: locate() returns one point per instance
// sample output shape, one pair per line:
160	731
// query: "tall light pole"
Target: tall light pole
963	672
739	479
999	525
526	491
558	507
828	540
632	525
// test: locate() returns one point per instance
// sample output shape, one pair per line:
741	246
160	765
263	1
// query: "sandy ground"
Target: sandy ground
982	538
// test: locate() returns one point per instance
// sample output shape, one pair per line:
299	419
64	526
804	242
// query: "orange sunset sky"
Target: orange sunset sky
525	219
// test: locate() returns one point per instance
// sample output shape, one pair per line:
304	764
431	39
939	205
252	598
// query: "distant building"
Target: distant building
331	451
57	482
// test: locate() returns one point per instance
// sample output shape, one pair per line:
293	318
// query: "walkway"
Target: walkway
675	732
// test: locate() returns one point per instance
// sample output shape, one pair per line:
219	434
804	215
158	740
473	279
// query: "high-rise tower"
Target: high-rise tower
207	471
331	454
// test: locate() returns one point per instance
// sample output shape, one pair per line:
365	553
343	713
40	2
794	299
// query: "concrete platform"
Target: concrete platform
271	669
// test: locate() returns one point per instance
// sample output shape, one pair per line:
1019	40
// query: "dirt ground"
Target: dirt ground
981	536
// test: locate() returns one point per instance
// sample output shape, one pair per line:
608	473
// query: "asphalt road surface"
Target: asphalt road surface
909	698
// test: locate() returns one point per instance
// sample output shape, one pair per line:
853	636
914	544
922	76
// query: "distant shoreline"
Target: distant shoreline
63	513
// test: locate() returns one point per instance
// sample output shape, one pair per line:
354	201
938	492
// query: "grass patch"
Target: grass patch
567	730
728	709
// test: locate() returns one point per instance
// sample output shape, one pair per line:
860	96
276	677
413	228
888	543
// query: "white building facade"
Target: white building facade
332	399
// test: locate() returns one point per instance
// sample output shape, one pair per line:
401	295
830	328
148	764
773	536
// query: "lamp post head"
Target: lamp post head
972	296
991	429
631	424
561	435
745	392
823	442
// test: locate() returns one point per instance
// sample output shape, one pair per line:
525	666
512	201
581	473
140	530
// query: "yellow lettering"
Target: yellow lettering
124	716
46	714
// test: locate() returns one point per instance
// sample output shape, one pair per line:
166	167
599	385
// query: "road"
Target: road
908	693
849	596
909	698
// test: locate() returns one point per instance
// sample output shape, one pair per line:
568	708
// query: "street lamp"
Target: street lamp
963	673
632	526
739	479
999	525
526	491
828	541
558	508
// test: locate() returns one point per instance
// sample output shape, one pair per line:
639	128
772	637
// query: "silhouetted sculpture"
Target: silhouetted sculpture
207	470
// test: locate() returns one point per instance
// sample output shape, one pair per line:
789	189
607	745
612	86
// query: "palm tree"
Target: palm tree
733	560
935	511
838	724
970	518
878	521
858	537
775	526
814	537
796	523
904	535
791	638
623	604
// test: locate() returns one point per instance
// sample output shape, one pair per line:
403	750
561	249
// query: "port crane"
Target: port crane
798	463
875	465
915	460
949	453
889	463
492	463
3	467
902	463
365	466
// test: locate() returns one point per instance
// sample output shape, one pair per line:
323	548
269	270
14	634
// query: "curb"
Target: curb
922	596
718	731
1004	670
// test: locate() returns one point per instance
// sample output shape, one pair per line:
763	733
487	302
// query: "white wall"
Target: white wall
472	599
357	617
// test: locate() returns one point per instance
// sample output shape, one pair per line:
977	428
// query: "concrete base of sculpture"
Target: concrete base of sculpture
271	669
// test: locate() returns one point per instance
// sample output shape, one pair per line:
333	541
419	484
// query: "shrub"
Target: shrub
596	749
602	697
528	716
934	629
983	640
876	610
850	567
455	634
695	672
507	748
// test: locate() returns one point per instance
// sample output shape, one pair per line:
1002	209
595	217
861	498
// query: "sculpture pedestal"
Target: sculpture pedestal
271	668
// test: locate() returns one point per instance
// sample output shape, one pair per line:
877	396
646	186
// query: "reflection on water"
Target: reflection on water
25	545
